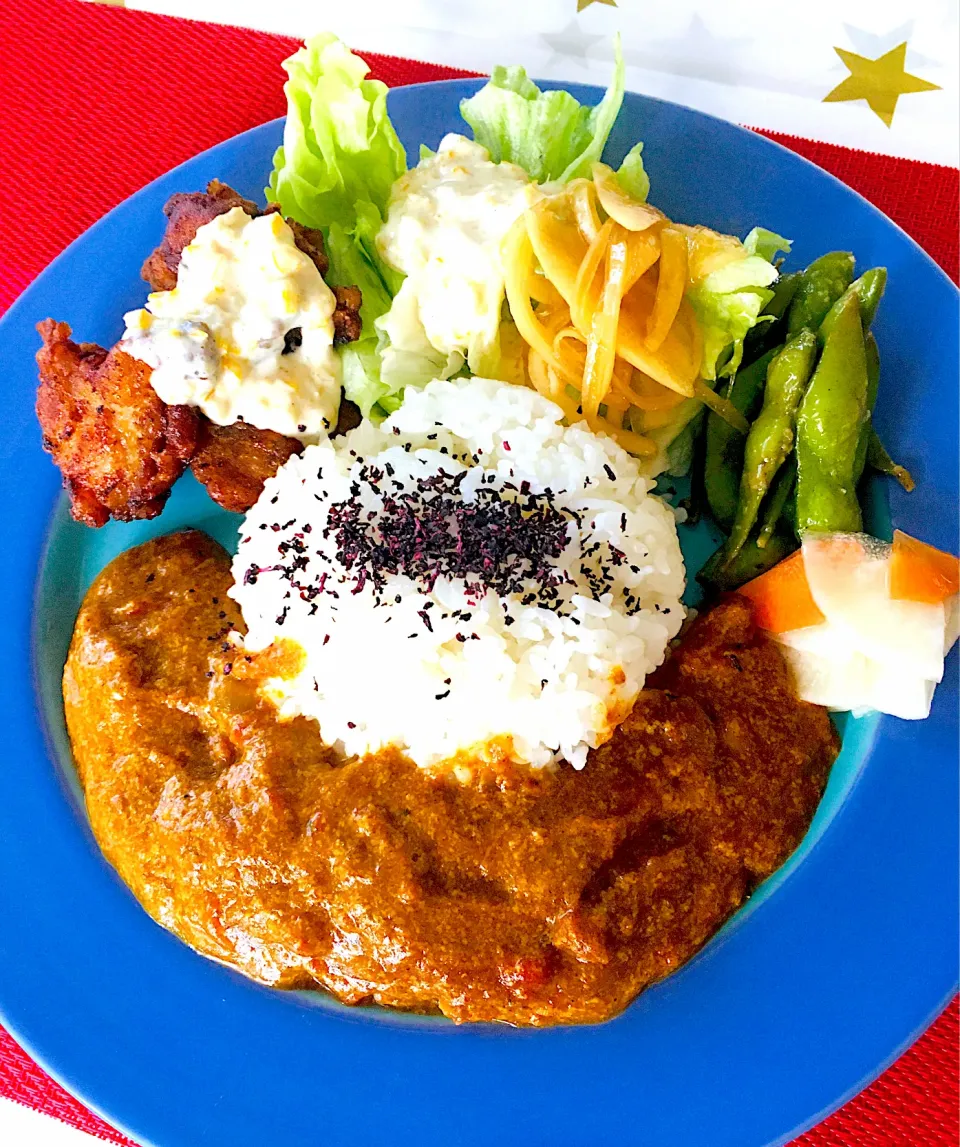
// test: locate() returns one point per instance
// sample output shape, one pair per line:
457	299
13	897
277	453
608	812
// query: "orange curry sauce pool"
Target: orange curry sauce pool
527	897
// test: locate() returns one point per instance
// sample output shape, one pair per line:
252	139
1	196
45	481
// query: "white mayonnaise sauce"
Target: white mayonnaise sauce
221	340
446	221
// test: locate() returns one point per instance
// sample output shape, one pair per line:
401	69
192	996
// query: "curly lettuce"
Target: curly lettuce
340	158
340	152
728	301
551	135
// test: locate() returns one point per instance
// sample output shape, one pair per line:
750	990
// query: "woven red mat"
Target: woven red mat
98	101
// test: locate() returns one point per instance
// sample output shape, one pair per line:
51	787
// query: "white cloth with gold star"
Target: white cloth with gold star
769	65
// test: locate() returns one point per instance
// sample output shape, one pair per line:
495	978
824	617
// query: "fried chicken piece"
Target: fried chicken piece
233	462
119	447
186	212
308	239
349	417
189	211
346	317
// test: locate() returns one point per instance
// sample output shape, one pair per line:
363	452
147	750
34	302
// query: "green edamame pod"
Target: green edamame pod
821	284
723	452
784	290
832	415
880	460
766	334
872	352
777	502
869	290
751	562
771	436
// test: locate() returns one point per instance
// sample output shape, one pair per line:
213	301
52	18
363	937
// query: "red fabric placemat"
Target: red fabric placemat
98	101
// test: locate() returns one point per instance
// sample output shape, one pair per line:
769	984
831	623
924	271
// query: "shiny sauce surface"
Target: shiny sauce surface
530	897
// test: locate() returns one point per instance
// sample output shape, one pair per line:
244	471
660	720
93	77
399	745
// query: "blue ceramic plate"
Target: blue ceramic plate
833	968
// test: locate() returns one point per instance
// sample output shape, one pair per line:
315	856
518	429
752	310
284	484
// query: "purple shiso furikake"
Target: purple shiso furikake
507	539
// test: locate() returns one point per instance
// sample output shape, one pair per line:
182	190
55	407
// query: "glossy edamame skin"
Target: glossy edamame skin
771	436
779	503
832	417
869	290
821	284
756	478
723	458
750	562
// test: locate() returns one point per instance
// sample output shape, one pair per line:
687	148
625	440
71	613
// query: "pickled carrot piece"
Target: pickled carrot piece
781	597
919	572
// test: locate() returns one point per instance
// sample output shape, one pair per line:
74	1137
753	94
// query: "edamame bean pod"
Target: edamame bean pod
723	454
751	562
832	415
880	460
765	334
784	290
771	436
872	352
777	502
821	284
869	290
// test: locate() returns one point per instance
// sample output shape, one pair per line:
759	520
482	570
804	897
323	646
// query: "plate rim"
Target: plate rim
149	189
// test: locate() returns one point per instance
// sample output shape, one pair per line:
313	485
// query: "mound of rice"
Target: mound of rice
472	580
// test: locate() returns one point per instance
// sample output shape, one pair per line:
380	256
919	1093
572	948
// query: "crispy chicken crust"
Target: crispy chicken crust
119	447
233	462
346	317
187	212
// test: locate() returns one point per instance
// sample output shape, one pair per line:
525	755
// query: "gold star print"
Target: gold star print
581	4
880	82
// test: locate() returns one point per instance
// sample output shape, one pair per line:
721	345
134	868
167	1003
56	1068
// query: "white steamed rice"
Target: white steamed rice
398	664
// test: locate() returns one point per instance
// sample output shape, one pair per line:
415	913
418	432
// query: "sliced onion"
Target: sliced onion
721	406
708	251
602	342
643	250
518	263
676	363
671	283
633	214
557	242
588	285
583	196
540	289
650	395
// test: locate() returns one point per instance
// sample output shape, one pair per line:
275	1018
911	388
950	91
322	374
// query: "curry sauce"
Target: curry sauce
526	896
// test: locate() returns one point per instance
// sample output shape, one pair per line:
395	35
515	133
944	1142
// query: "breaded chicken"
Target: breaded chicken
233	462
349	417
118	445
346	317
308	239
187	212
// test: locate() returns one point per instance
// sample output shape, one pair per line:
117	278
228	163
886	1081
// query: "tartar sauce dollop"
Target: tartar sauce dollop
446	221
247	333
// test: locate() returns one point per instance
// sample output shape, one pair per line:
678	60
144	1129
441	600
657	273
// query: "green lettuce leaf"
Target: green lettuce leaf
632	175
377	370
339	147
766	244
549	134
340	158
728	303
